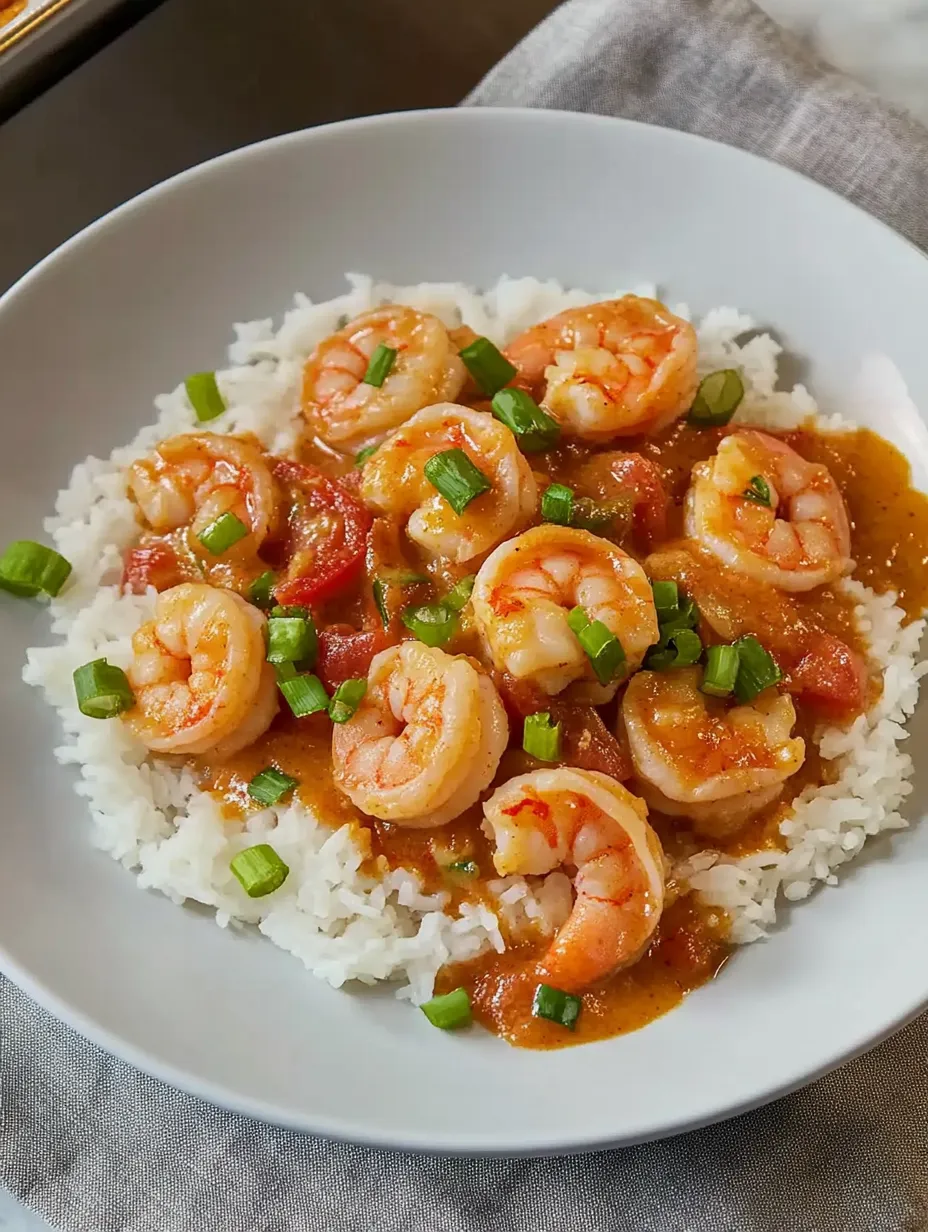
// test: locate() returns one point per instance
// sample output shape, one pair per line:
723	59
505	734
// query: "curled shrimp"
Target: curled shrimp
768	513
699	757
199	674
616	368
528	585
394	482
338	404
587	820
193	479
425	741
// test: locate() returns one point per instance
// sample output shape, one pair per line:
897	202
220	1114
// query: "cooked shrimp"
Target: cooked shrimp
199	674
525	589
343	410
394	482
616	368
699	757
191	480
770	514
589	821
425	741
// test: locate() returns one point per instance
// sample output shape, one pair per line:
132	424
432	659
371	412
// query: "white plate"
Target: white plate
148	294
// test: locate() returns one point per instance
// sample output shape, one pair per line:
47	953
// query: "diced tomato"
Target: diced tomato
586	741
629	476
346	653
830	676
318	570
153	564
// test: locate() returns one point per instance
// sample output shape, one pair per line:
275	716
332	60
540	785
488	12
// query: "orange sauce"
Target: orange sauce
890	546
11	10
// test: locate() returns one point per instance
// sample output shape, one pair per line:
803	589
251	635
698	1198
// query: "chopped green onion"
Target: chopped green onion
379	587
204	395
291	639
541	737
450	1011
270	785
677	648
464	868
557	1006
363	454
432	623
687	617
456	478
296	613
534	428
27	568
487	365
260	870
221	534
557	504
346	699
722	663
305	694
757	669
602	647
459	596
393	577
717	398
666	600
378	369
261	591
758	491
103	691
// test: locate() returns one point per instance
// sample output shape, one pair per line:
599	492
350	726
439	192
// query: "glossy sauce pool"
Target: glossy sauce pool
890	546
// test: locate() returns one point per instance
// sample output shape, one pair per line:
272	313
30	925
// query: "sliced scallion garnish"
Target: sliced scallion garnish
534	428
363	454
26	568
291	639
346	699
666	600
557	504
270	785
459	595
204	396
305	694
717	398
222	533
758	491
432	623
721	670
259	870
103	691
541	737
261	590
557	1006
449	1011
602	647
458	480
757	669
381	363
487	365
464	868
677	648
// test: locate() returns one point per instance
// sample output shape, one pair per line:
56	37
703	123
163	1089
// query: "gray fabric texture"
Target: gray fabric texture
95	1146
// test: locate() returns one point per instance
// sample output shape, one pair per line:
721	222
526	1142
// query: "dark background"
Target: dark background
197	77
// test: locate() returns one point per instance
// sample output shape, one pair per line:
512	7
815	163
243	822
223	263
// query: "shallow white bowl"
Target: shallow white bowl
148	294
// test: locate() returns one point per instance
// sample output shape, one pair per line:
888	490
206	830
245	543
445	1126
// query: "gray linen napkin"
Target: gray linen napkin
95	1146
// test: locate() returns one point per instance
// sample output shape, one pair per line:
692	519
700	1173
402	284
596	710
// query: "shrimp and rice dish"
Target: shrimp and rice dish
528	649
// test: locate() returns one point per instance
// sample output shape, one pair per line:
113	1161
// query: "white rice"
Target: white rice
341	922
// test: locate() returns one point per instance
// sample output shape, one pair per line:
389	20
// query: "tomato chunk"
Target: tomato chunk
830	676
346	653
326	535
153	564
629	476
